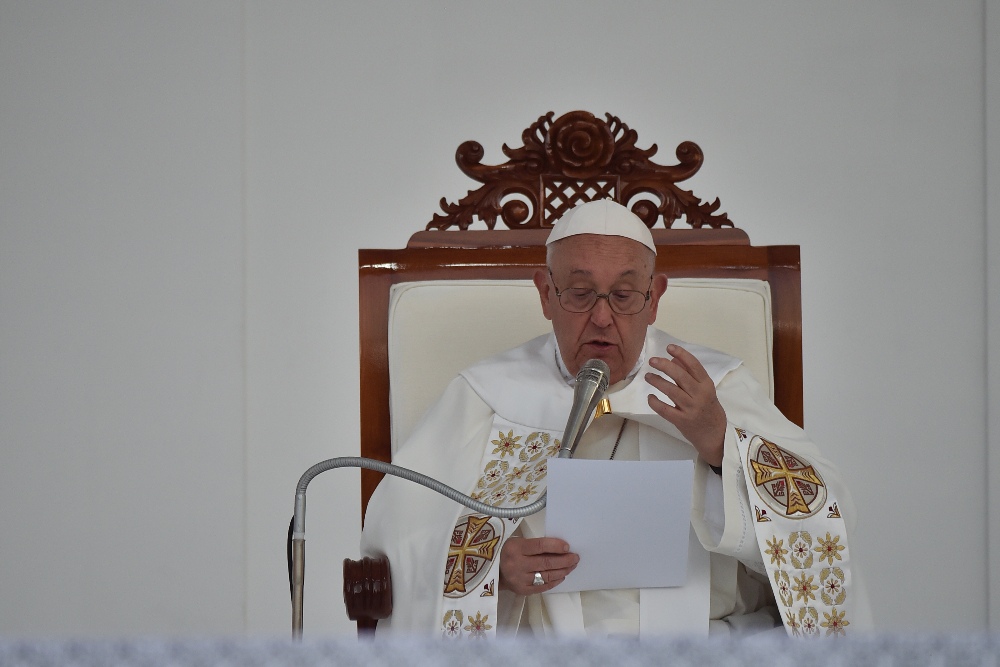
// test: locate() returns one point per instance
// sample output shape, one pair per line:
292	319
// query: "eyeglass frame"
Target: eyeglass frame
599	296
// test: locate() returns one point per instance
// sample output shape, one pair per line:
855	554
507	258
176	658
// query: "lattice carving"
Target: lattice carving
575	158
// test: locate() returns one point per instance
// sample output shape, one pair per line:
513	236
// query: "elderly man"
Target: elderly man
769	518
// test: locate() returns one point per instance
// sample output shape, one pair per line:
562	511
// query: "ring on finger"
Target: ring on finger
538	581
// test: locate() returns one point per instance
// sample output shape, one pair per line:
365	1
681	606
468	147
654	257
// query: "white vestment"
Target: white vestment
728	586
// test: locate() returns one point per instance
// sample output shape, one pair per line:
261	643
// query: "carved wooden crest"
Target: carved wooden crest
572	159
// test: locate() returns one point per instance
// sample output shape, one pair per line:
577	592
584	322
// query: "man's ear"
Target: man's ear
545	292
656	290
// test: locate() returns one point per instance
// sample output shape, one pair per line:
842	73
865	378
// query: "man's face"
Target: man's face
601	263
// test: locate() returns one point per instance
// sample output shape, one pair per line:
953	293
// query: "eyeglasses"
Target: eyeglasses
621	301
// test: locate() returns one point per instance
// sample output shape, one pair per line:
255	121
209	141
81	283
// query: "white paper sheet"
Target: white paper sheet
628	520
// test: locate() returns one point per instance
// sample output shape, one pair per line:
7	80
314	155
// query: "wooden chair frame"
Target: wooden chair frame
712	248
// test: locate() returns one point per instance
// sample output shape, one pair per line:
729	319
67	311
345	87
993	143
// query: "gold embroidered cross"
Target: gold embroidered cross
764	474
474	543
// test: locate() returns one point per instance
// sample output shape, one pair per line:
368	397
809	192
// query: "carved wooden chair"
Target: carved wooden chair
723	292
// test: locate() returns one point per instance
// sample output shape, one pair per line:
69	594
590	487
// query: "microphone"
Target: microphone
591	383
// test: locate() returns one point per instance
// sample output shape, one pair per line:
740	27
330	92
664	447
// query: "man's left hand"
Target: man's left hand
696	412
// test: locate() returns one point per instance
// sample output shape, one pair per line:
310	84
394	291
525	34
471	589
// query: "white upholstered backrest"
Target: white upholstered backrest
437	328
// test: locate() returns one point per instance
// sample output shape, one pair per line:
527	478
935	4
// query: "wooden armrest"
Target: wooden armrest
367	590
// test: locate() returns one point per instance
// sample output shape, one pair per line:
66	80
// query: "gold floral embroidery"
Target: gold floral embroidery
534	447
800	542
833	591
553	448
518	473
828	548
792	623
804	588
452	624
478	626
494	472
498	495
523	493
808	621
784	586
506	444
775	551
835	622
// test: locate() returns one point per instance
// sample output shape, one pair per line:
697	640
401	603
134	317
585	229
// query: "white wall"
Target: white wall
184	187
121	319
992	250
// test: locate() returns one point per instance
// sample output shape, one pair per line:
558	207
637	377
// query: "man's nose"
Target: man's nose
601	313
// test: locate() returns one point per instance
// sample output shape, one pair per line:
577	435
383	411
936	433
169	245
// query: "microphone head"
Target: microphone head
595	371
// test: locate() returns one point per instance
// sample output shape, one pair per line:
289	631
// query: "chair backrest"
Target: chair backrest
423	319
432	308
494	315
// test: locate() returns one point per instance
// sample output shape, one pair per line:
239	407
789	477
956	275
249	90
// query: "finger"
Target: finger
548	562
533	546
552	578
677	395
665	410
675	371
688	361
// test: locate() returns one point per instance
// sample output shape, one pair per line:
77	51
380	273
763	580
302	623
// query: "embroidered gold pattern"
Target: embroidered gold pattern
784	481
523	493
478	626
534	447
835	622
506	444
804	588
808	620
452	624
792	623
800	542
808	574
473	543
828	548
513	474
784	585
500	479
776	551
833	592
493	474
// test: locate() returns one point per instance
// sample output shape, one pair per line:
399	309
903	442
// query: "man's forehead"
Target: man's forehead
587	272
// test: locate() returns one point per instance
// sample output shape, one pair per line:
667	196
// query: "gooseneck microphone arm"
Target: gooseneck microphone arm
299	519
593	378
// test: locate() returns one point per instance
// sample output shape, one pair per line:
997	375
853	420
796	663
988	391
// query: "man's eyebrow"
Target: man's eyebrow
584	272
